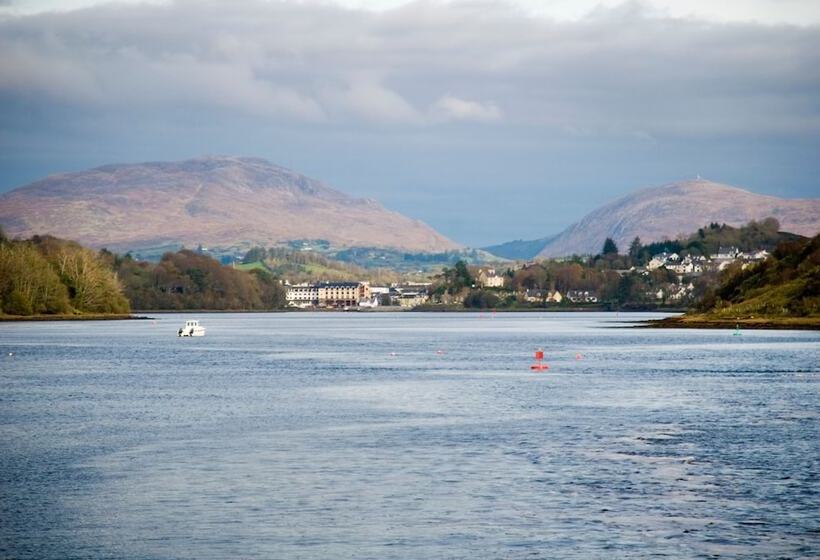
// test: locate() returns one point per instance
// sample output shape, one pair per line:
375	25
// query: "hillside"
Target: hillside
213	201
783	291
519	249
666	212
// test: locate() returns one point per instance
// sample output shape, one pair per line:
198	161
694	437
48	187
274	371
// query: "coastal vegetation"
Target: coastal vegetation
190	280
46	275
782	290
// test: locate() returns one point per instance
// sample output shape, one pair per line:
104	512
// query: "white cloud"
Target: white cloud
450	107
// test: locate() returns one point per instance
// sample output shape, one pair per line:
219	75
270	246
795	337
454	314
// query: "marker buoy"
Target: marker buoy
578	356
539	359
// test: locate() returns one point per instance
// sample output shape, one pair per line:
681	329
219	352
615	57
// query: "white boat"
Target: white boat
191	328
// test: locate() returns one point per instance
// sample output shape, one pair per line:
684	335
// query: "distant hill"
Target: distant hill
669	211
519	249
213	201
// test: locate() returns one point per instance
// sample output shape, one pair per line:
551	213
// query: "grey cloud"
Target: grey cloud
618	72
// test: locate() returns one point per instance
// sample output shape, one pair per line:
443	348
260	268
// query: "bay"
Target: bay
407	435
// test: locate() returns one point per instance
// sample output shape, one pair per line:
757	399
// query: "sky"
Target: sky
488	120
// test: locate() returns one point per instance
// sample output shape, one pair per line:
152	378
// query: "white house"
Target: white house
489	279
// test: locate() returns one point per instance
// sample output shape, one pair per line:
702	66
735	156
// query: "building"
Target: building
489	279
328	294
342	294
412	299
545	296
302	295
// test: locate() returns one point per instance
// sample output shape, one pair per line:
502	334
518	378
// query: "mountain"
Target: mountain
680	208
519	249
213	201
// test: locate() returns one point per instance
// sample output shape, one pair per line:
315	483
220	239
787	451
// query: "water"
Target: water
407	436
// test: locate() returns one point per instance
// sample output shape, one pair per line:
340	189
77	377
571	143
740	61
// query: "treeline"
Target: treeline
189	280
46	275
708	240
786	284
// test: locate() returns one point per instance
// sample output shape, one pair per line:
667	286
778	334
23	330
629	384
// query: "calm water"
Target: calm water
407	436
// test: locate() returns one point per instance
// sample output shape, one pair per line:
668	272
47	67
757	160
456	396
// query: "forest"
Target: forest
45	275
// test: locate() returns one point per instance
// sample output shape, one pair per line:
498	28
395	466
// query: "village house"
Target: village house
680	292
410	299
547	296
489	279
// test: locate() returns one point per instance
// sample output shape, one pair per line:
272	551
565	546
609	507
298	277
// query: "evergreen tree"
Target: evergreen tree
609	247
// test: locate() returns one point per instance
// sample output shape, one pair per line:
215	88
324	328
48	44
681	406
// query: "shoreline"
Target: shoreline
763	323
85	317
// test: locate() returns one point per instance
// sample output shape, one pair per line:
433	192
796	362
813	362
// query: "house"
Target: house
410	299
681	291
538	296
489	279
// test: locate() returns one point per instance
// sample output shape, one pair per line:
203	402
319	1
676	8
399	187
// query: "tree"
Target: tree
635	250
481	299
28	284
609	247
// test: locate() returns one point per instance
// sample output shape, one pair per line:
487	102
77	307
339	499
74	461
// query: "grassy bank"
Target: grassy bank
705	321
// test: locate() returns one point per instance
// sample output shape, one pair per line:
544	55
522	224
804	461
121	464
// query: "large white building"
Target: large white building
328	294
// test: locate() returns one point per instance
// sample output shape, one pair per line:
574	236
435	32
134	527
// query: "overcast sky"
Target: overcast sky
490	121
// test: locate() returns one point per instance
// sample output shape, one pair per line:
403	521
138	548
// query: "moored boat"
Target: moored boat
191	328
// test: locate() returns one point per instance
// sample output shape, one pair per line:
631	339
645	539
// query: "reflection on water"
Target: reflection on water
407	436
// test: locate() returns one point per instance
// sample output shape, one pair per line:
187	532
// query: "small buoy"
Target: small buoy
540	365
11	353
578	356
439	352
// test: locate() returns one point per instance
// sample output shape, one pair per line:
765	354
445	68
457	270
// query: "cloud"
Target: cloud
620	71
450	107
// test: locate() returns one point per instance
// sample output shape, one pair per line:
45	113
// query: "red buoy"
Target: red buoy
539	358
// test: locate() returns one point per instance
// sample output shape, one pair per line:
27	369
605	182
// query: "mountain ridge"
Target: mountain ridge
665	212
214	200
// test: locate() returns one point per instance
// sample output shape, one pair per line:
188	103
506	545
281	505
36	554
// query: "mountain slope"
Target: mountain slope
215	201
680	208
519	249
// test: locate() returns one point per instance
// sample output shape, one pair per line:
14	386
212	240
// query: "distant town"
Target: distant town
679	287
